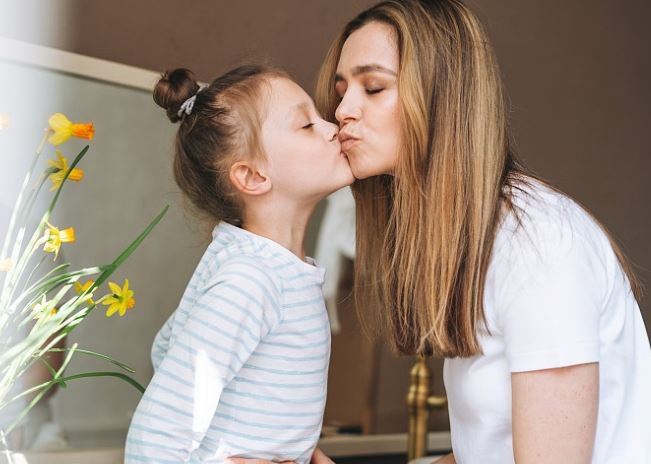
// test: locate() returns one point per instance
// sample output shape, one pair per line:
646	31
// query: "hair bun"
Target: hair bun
173	88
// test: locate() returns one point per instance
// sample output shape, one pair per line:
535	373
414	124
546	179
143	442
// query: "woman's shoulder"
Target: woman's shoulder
543	213
546	229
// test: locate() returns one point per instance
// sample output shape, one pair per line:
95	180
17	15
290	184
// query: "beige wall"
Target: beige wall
577	73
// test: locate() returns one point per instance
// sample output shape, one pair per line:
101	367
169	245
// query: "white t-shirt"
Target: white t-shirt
555	295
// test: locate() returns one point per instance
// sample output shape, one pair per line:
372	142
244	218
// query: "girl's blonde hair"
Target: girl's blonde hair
425	235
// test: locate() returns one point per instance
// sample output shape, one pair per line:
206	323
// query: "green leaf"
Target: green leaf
78	158
98	355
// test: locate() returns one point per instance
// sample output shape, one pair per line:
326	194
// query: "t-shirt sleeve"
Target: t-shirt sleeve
550	300
234	312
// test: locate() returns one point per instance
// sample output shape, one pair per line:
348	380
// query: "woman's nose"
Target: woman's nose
348	109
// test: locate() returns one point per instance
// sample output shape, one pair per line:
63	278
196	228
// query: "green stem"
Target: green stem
33	195
98	355
42	393
14	214
47	385
31	274
49	367
78	158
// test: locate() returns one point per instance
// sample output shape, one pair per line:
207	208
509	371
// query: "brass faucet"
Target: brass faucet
420	402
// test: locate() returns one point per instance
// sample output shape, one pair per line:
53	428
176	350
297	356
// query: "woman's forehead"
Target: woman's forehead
371	46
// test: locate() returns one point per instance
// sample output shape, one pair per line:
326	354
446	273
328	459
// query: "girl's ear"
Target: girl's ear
248	179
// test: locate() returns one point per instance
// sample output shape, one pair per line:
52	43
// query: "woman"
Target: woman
465	254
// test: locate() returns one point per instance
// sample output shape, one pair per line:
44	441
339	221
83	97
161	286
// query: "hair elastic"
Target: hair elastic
187	105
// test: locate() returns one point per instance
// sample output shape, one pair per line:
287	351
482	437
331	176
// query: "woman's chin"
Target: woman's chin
357	171
362	169
362	172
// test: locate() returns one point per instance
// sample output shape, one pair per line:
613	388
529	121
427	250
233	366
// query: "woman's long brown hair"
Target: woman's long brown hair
425	234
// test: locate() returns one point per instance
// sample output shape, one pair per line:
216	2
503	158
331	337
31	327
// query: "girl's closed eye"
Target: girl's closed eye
308	125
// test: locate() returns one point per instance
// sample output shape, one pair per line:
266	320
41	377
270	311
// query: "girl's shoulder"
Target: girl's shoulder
232	245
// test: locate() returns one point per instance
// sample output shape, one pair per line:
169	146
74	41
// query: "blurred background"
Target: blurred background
577	74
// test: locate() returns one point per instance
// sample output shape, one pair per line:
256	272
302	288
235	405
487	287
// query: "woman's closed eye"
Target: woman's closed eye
373	91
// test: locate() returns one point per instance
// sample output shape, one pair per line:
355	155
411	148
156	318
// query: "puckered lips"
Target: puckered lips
347	140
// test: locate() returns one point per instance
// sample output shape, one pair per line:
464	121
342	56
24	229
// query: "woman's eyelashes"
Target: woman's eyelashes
367	90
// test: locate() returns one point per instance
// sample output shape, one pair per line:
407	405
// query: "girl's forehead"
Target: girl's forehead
286	101
287	98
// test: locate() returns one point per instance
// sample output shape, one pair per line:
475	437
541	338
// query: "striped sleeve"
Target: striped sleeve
160	342
233	313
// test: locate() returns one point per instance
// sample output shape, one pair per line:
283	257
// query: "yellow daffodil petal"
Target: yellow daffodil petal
56	237
59	121
112	309
115	288
81	288
110	300
62	128
120	300
56	179
52	248
61	165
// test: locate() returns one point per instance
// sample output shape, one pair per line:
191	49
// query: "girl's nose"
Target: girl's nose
330	131
334	132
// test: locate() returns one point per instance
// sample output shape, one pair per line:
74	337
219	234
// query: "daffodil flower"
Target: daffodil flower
120	301
81	288
60	168
42	308
6	265
56	237
63	129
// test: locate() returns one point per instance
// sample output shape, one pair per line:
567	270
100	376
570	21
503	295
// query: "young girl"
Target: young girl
241	365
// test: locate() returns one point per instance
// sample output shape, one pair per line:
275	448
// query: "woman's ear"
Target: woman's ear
249	179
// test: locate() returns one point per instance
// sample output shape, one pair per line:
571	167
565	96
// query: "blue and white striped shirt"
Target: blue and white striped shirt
240	368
